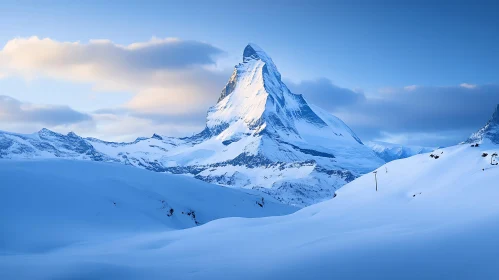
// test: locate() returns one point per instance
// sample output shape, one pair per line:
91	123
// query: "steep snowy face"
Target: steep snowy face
256	101
253	99
488	133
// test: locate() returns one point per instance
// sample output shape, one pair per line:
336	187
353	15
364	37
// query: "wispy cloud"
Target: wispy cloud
125	125
116	124
168	75
15	111
322	92
469	86
410	88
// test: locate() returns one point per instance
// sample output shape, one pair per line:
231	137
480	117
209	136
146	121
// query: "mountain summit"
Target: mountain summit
282	145
258	136
256	100
488	133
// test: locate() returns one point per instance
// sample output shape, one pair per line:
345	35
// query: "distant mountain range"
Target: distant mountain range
389	151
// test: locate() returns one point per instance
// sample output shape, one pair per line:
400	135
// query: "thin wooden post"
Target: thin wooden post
376	179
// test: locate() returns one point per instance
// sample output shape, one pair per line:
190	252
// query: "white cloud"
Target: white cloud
126	127
173	82
14	111
410	88
321	91
113	125
169	75
469	86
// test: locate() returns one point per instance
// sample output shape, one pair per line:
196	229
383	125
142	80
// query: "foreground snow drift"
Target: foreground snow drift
432	218
46	205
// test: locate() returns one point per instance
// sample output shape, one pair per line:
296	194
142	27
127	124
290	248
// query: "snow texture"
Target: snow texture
48	204
431	218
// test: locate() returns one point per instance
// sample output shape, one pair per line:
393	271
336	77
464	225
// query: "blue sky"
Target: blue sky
394	57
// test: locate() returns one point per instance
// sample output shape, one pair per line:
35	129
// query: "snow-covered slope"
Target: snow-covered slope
489	133
259	136
64	202
431	218
389	151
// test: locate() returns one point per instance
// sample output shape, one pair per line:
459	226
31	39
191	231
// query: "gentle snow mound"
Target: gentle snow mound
51	204
431	218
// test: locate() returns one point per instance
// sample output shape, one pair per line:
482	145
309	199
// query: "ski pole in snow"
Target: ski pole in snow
376	179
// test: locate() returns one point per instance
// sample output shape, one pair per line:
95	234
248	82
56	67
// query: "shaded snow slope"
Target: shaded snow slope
259	136
389	151
430	219
45	205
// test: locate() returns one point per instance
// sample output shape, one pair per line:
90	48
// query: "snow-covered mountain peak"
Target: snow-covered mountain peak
255	101
258	123
156	136
72	134
488	133
252	51
46	131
